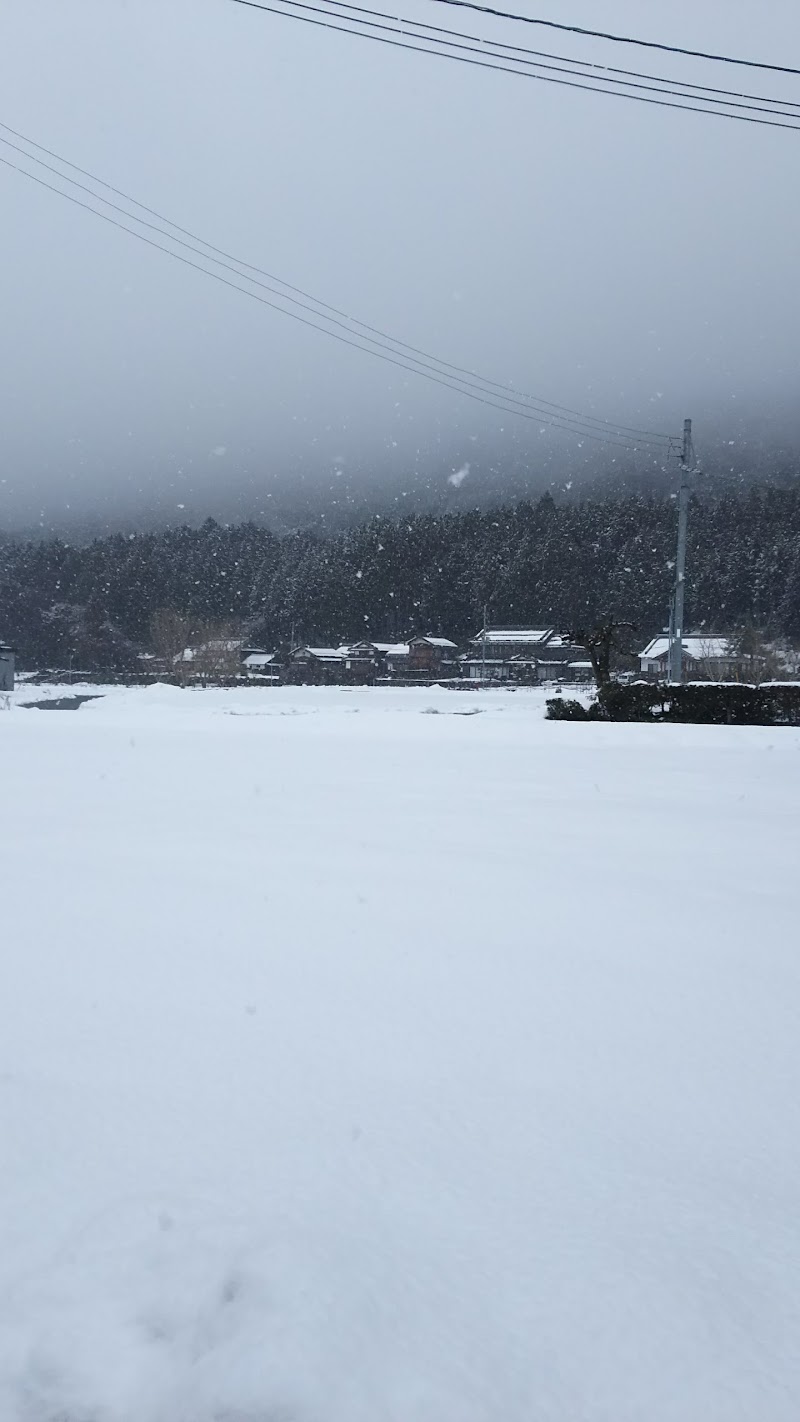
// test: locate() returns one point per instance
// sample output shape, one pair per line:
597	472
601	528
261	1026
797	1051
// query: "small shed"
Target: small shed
6	668
488	669
259	662
580	670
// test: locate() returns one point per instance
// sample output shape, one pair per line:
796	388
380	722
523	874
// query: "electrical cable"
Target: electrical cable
606	69
565	414
328	24
453	383
615	39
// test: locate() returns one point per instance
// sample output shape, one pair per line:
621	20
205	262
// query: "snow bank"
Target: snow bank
391	1065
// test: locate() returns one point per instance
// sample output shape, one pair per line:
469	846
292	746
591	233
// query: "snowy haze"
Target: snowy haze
396	1056
625	260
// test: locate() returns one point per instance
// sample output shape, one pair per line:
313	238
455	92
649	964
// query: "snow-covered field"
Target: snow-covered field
362	1064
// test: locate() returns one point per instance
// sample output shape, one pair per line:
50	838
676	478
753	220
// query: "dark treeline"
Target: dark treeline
537	562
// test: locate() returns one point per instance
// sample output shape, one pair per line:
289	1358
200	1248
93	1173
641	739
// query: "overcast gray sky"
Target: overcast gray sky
633	261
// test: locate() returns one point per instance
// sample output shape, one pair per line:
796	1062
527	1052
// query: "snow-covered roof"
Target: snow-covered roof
524	635
437	642
329	654
385	649
259	659
699	648
223	644
216	647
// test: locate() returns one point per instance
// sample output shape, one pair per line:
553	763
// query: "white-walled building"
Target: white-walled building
705	657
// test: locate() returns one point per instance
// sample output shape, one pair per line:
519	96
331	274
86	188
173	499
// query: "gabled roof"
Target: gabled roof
436	642
526	636
259	659
386	649
697	647
322	654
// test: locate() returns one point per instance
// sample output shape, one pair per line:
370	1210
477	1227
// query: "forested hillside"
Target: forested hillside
543	562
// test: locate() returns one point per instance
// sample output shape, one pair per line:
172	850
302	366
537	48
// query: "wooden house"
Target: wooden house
432	656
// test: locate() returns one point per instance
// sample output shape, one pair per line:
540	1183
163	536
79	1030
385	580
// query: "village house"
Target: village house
321	665
558	659
504	643
391	658
315	664
705	657
264	665
432	656
525	654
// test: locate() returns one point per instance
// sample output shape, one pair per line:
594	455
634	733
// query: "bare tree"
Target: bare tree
756	659
170	634
218	654
601	642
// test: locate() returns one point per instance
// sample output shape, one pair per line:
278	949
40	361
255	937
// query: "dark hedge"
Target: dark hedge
698	703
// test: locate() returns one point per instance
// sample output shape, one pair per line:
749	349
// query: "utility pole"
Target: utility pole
676	608
483	646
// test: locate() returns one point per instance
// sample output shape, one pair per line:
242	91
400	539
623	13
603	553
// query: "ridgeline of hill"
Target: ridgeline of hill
542	562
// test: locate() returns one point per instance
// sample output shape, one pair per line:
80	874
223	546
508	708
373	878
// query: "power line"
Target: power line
504	389
517	54
615	39
451	383
606	69
575	83
565	415
579	425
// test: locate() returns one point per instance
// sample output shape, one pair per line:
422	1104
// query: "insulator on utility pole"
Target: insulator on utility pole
676	608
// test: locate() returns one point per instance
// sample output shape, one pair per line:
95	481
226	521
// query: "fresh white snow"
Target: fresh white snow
363	1064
